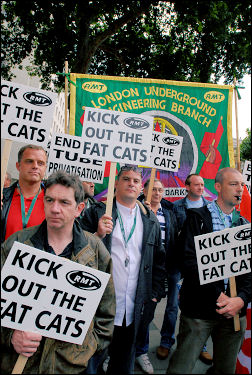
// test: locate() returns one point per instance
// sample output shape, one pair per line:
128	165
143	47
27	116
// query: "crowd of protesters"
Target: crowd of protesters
148	249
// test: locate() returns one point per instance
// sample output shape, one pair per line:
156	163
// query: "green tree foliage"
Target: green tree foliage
245	147
181	40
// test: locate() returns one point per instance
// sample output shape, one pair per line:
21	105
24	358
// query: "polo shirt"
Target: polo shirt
14	220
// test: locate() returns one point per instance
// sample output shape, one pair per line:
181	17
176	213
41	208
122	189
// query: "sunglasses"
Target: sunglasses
130	168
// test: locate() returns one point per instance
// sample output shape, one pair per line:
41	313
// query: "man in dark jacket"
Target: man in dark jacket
168	224
207	309
22	203
195	188
194	199
133	237
89	188
60	234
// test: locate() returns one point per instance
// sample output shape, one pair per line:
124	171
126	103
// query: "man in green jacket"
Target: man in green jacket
60	234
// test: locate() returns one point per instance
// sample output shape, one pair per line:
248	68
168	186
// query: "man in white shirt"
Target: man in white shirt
133	237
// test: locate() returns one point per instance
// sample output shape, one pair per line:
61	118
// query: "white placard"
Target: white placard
117	136
26	113
48	294
174	192
247	175
165	151
66	154
224	253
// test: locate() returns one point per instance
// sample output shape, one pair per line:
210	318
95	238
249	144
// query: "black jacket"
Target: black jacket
199	301
171	233
7	198
152	271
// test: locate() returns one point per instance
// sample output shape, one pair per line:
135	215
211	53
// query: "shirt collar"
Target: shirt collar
125	210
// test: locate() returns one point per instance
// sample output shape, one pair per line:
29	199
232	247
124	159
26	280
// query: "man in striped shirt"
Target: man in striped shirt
168	224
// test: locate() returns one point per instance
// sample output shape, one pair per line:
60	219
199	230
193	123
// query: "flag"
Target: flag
209	146
243	365
245	205
201	113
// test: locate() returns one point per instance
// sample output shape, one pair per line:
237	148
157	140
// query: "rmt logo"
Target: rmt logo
136	123
37	98
243	235
171	141
83	280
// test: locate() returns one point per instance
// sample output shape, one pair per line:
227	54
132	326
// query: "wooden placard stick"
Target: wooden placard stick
111	185
237	129
5	160
233	293
151	183
20	364
66	95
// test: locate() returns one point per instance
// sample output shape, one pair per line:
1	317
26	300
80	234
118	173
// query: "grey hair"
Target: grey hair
146	184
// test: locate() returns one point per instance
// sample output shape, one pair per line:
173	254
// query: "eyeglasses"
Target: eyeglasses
131	168
158	190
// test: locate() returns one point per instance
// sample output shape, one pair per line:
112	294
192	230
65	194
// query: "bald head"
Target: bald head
229	185
224	172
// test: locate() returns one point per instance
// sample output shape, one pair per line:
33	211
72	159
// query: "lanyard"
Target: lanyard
25	218
222	216
223	220
124	236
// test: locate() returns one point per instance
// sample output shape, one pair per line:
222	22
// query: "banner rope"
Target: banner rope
236	88
68	77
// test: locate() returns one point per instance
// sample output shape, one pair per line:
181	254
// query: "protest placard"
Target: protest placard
26	113
247	175
50	295
175	192
223	254
165	151
66	155
117	136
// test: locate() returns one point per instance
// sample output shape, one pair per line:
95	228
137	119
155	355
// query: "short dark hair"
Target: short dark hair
67	180
146	184
34	147
126	168
187	181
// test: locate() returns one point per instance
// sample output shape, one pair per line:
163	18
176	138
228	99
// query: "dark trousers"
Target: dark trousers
122	351
142	341
95	362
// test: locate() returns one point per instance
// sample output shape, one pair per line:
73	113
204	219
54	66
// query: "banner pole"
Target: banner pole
111	185
5	160
20	364
237	129
66	95
233	293
151	183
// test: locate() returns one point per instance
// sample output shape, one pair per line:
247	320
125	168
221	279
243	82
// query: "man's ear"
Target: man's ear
80	208
217	187
17	166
